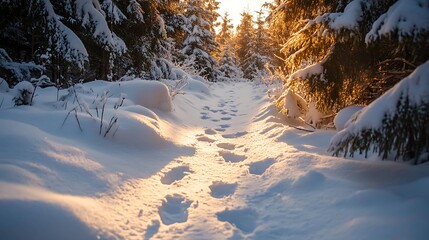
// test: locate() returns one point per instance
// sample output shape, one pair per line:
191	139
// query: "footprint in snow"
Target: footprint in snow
234	110
221	105
235	135
214	111
174	209
224	126
210	131
228	146
258	168
215	120
152	229
244	219
220	129
206	108
221	189
226	118
205	139
224	113
232	157
175	174
205	117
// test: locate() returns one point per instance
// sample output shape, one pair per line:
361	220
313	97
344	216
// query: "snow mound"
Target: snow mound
344	115
197	86
150	94
138	131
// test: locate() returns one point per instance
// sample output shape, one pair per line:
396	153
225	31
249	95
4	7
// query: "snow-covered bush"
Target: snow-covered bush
395	126
23	93
292	104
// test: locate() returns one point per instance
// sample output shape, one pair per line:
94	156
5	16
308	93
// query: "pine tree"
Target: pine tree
258	57
243	40
228	65
225	34
199	43
33	32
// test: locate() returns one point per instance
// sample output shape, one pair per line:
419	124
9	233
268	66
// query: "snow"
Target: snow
4	87
314	69
295	105
149	94
214	163
405	18
344	115
348	19
91	17
65	41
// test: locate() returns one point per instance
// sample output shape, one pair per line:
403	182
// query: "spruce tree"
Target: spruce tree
243	40
228	66
258	57
199	43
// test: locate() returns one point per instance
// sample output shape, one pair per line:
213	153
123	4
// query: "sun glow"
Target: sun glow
235	8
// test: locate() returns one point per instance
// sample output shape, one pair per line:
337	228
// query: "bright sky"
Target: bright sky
236	7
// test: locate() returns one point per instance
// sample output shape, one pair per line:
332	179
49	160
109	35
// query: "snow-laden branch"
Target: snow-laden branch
64	40
406	18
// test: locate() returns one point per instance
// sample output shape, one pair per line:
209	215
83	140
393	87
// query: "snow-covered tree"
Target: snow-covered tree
330	59
395	126
258	59
243	42
228	66
200	43
225	33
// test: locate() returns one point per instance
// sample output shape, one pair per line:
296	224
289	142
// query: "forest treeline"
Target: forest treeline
327	54
83	40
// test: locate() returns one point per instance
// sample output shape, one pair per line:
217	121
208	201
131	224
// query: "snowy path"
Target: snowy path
249	178
193	197
239	174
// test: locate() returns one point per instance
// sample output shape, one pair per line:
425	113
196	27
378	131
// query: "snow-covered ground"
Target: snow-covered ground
220	165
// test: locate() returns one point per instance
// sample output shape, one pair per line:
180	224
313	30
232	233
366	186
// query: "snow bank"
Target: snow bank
150	94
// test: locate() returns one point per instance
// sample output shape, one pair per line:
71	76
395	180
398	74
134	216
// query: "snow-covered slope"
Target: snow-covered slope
220	165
